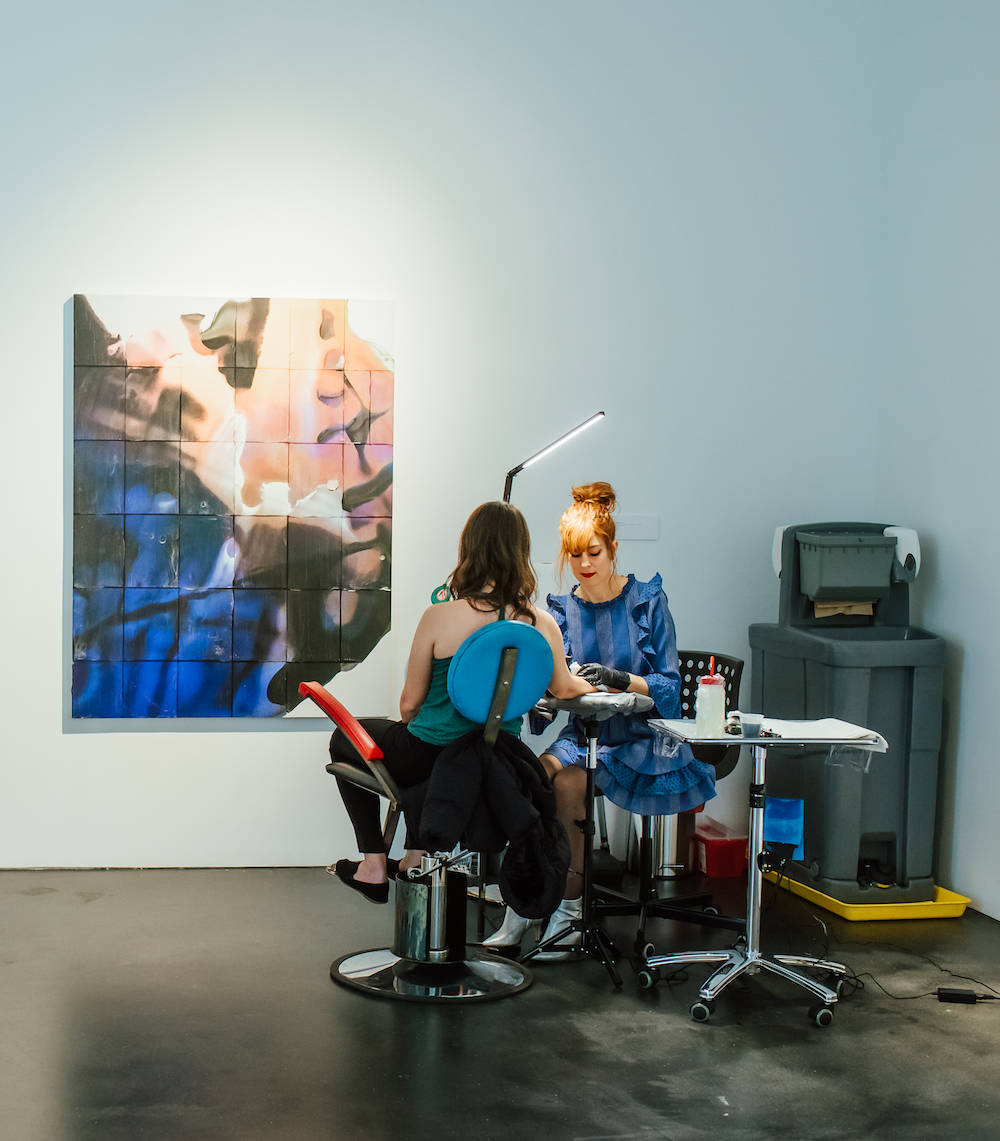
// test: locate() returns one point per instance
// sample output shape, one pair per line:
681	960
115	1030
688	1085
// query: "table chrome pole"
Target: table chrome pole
755	874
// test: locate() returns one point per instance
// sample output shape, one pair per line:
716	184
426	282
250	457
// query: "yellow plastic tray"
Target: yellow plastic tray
945	904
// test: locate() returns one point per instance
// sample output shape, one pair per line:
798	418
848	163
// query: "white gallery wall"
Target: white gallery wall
938	459
727	225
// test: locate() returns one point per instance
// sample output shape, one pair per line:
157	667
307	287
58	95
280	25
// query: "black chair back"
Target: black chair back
694	664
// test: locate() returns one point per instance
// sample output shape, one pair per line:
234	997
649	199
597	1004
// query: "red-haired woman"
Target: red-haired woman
621	632
493	580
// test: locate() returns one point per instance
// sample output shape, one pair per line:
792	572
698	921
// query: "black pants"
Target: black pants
408	761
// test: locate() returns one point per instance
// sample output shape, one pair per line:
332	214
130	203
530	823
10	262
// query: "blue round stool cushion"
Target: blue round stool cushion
472	674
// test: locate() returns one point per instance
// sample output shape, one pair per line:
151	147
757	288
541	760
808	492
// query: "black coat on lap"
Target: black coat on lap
487	797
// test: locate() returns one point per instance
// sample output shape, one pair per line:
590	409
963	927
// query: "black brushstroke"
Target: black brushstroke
355	497
191	410
98	403
236	334
314	556
313	636
370	622
222	331
91	339
262	557
357	431
283	688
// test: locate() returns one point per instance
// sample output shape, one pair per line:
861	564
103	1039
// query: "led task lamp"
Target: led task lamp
545	451
443	593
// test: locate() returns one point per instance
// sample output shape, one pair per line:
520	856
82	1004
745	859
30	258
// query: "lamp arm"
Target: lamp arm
509	482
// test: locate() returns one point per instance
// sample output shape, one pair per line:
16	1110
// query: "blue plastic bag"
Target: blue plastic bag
784	823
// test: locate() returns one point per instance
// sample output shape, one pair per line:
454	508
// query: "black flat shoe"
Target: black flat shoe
374	892
392	867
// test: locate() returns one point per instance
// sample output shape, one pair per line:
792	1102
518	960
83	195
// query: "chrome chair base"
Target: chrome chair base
741	961
480	978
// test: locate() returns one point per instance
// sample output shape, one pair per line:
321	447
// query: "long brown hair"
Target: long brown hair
494	561
589	518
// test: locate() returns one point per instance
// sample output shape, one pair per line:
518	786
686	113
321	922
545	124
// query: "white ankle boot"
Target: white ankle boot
511	931
568	910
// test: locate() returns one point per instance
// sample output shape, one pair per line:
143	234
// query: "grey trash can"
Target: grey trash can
868	835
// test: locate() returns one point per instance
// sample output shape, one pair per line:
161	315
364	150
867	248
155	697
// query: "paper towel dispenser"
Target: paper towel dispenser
845	573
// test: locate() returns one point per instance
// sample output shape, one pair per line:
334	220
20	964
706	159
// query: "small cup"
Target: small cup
751	724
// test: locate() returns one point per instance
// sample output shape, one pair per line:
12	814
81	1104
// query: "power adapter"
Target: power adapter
957	995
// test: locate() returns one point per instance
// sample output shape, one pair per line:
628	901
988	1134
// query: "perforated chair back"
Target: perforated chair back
694	664
499	672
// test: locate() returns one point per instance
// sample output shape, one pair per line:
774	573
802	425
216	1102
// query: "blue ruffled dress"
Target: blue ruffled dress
634	632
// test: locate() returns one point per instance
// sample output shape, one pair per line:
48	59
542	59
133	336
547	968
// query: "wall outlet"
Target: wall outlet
637	527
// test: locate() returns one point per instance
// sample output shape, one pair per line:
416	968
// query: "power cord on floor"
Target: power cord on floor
942	994
779	866
919	955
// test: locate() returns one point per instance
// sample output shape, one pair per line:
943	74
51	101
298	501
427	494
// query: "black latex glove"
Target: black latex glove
597	674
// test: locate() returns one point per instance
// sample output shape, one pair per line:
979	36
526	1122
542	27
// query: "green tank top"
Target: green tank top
439	722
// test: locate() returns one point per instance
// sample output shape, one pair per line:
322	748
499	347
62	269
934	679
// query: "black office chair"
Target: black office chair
694	664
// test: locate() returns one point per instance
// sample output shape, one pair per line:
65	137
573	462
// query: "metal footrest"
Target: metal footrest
481	977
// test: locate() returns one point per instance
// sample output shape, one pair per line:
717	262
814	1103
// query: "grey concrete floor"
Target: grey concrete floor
187	1005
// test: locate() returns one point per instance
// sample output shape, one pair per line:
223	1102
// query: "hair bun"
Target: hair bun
602	493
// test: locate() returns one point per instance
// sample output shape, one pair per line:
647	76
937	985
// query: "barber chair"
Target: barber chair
498	673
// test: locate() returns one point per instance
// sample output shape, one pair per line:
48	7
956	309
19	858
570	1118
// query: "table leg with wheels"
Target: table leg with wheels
746	957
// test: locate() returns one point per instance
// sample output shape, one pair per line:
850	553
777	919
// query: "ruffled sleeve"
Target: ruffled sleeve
556	604
657	644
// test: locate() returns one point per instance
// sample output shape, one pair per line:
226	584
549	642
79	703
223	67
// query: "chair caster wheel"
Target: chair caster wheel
703	1009
838	985
649	978
821	1015
710	910
646	950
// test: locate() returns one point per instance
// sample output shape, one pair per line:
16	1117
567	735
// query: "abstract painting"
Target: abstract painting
232	500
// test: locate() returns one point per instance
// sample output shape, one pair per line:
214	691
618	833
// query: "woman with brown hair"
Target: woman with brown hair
621	632
493	580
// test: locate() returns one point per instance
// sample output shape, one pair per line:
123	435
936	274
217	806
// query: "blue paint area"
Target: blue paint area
152	474
258	626
151	687
97	689
206	626
151	550
97	625
150	625
141	501
99	477
204	689
250	698
207	552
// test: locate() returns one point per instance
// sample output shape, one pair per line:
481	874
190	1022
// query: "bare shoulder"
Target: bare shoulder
446	625
546	623
430	617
